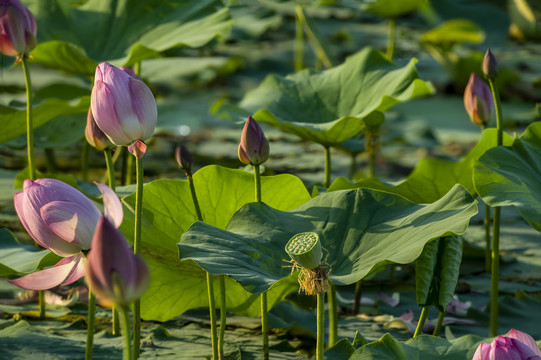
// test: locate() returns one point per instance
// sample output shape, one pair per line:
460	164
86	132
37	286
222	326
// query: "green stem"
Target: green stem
51	160
496	225
90	324
137	250
357	296
84	160
421	323
129	170
194	196
223	316
391	39
487	239
439	324
333	315
138	68
123	153
125	324
257	178
353	165
320	326
372	168
212	309
299	40
327	181
265	325
41	300
29	125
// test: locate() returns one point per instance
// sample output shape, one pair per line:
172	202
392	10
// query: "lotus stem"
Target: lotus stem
353	165
299	40
327	181
320	324
84	160
257	178
496	225
137	250
51	160
486	223
129	170
421	323
29	125
90	324
194	195
41	300
333	315
123	154
439	324
212	308
223	317
391	39
357	297
125	324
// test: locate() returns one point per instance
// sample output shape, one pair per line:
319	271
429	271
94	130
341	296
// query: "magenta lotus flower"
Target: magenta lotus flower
515	345
123	106
61	219
113	272
254	147
17	28
478	101
93	134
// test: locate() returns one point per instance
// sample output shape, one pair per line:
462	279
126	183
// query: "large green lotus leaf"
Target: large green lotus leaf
168	211
328	107
421	347
17	259
123	31
454	31
359	230
512	175
14	118
431	178
393	8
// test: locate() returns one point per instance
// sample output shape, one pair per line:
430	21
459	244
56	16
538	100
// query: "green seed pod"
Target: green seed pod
305	250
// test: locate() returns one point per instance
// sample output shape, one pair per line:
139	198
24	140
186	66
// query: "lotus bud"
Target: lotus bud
490	65
184	157
17	29
123	106
478	101
305	251
94	135
509	347
113	272
254	147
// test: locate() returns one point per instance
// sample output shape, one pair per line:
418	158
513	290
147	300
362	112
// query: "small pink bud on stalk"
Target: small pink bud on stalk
113	272
17	29
254	146
94	135
515	345
478	101
184	157
490	65
123	106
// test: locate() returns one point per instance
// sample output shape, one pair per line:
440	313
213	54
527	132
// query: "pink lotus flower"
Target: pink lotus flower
490	65
515	345
123	106
61	219
113	272
478	101
93	134
254	147
17	28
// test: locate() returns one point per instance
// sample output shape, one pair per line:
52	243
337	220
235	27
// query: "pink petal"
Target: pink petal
112	205
73	222
103	108
144	106
49	278
524	338
482	351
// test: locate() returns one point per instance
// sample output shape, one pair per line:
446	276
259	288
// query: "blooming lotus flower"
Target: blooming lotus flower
515	345
17	28
254	147
94	135
113	272
478	101
123	106
61	219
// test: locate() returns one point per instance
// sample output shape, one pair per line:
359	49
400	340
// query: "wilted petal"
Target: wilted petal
112	206
66	270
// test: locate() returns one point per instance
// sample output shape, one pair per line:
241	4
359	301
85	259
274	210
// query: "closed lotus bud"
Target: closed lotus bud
94	135
17	28
478	101
113	272
509	348
123	106
254	146
184	157
490	65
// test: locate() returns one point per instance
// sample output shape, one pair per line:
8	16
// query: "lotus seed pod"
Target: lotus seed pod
305	250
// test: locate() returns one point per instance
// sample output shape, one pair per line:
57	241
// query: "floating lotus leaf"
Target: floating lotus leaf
431	178
328	107
506	176
358	229
168	211
392	8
